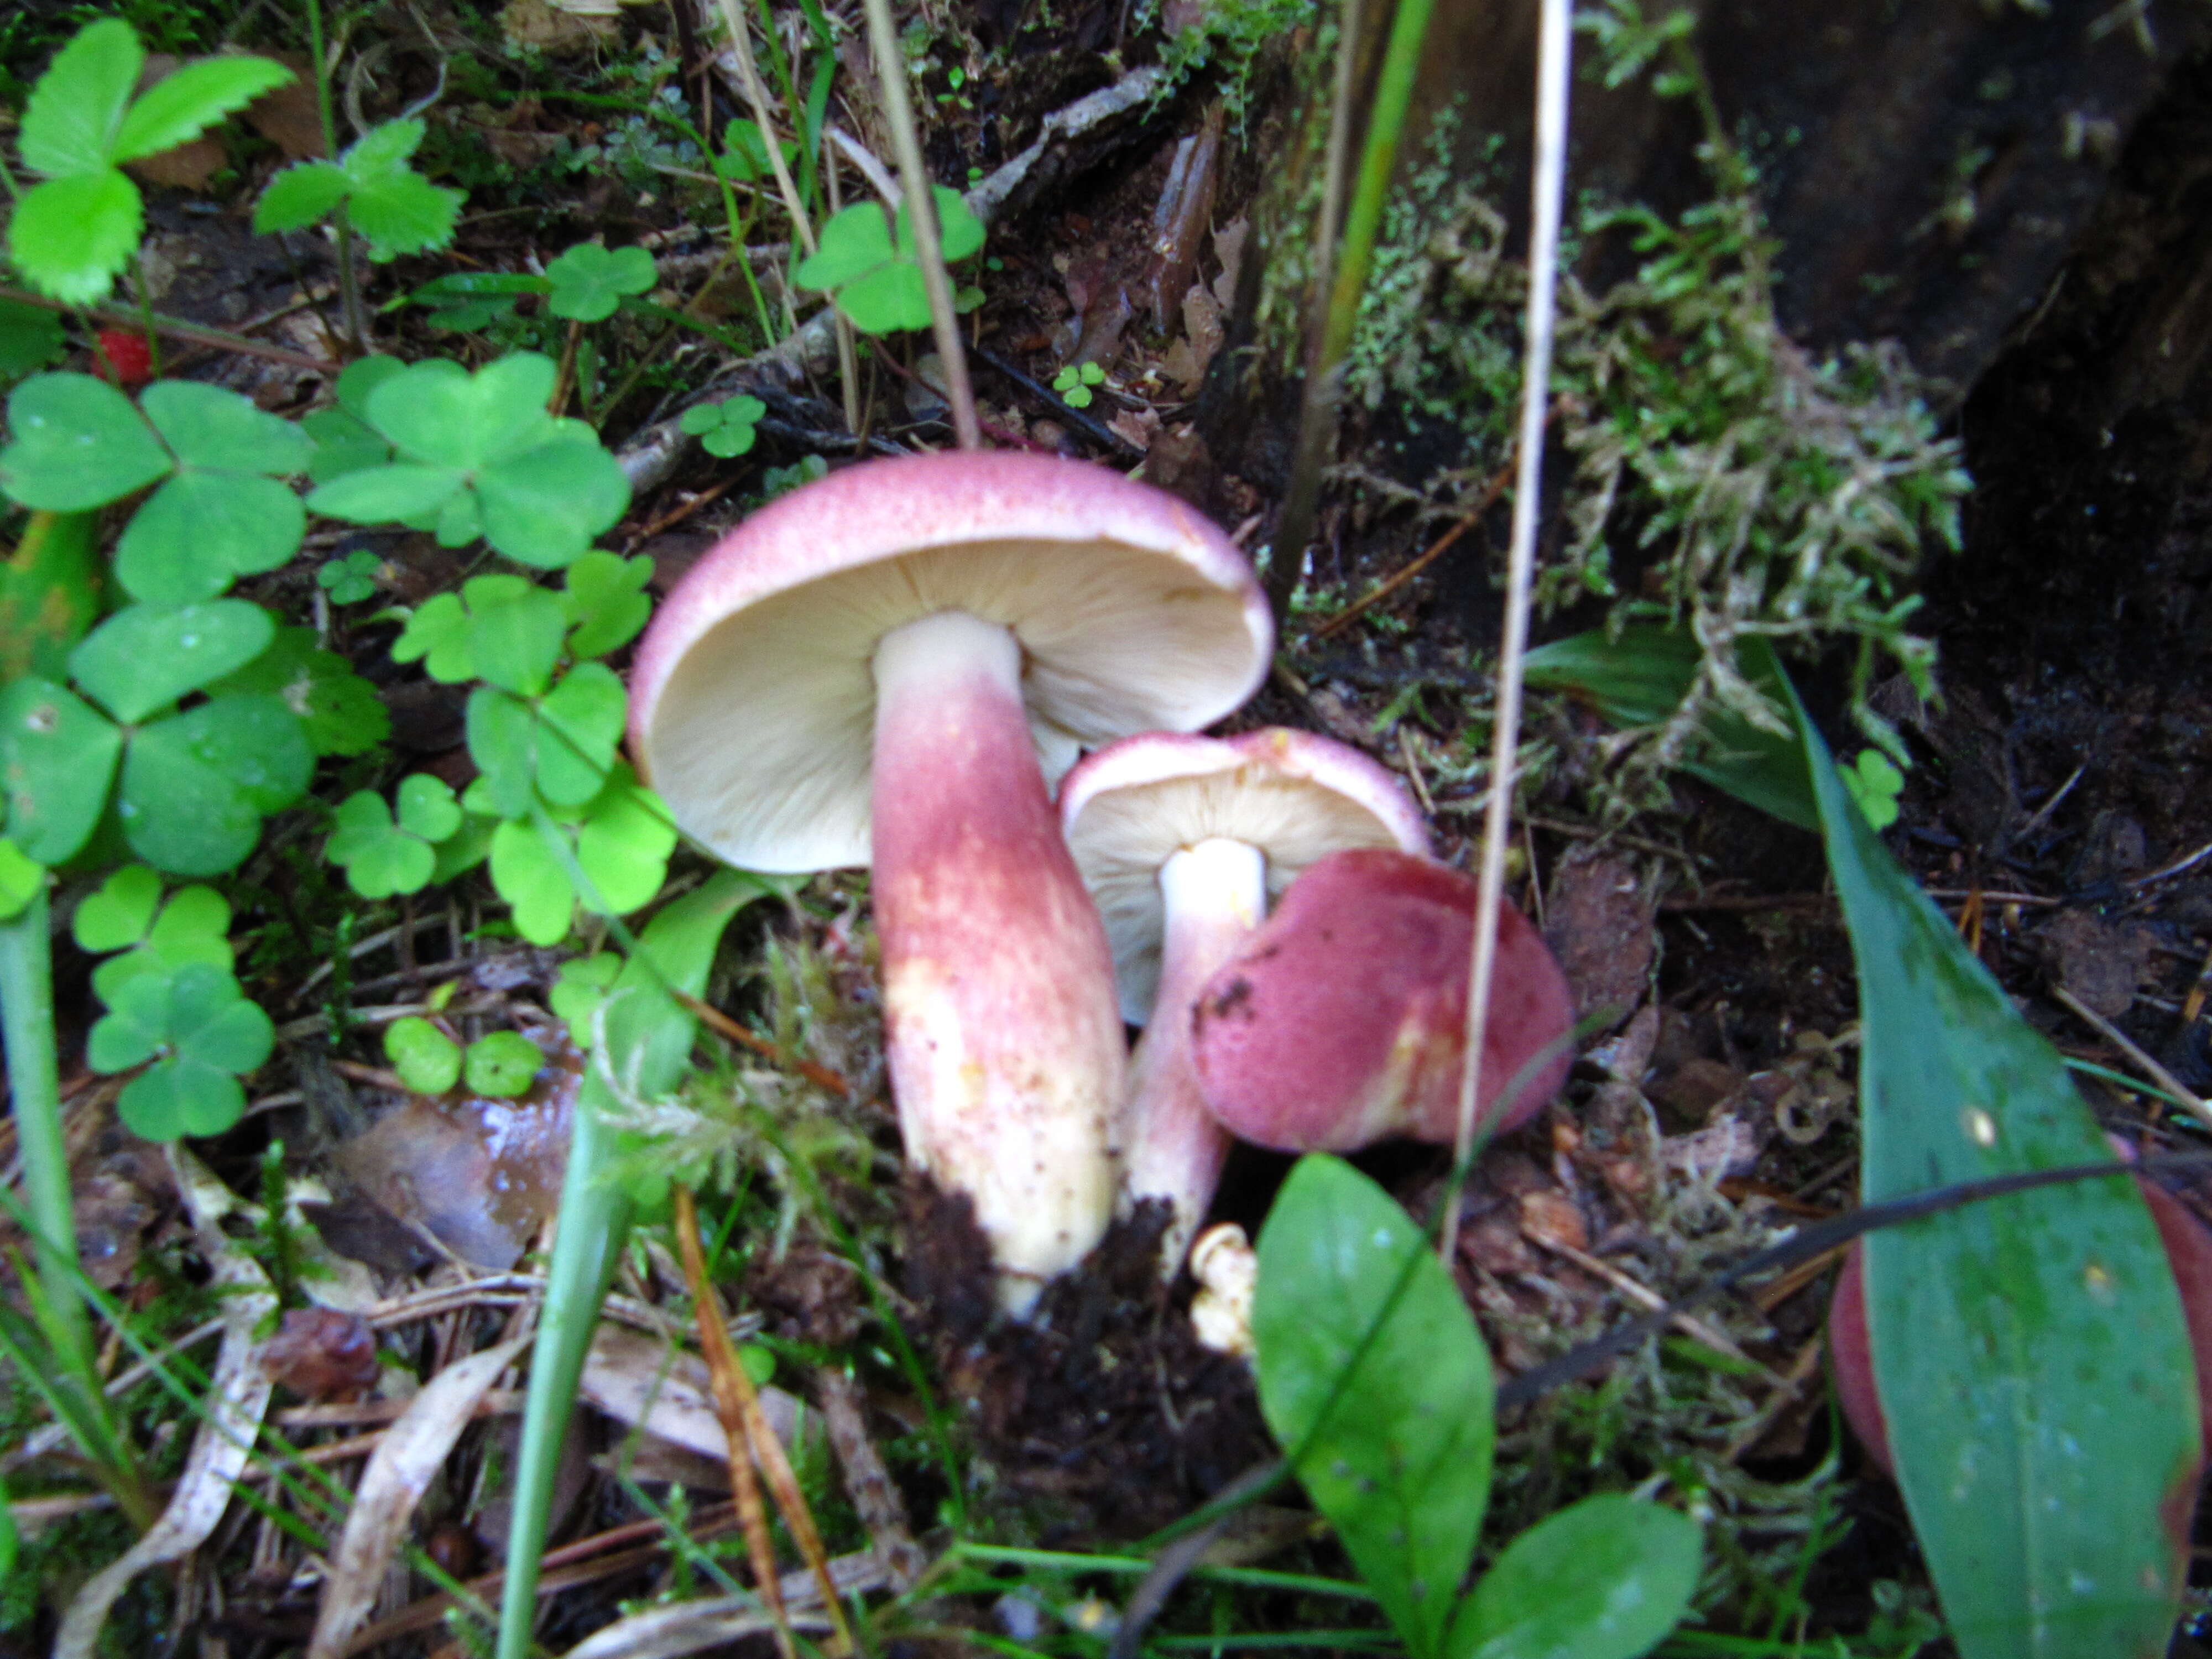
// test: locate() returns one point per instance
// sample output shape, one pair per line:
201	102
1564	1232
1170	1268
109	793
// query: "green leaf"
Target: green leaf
338	710
192	926
75	110
1874	784
202	530
21	880
1605	1579
196	786
145	656
590	281
181	105
437	413
606	602
725	428
58	758
206	426
121	913
580	989
79	444
398	209
878	282
2040	1451
438	635
514	633
30	337
545	506
207	1035
427	807
960	233
49	594
1373	1379
744	155
623	845
427	1061
379	857
888	299
502	1064
301	195
853	242
503	742
580	722
529	876
343	443
386	494
469	299
70	236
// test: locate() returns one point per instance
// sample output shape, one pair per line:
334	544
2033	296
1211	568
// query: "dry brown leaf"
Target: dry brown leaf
238	1395
411	1453
635	1380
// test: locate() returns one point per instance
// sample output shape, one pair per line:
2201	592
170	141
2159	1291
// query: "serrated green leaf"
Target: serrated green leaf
301	195
78	444
589	281
502	1064
1606	1579
503	742
338	710
427	1061
120	913
181	105
30	337
515	631
386	494
196	786
605	597
145	656
71	236
77	107
202	530
1373	1377
529	877
206	426
58	758
21	880
398	209
2039	1452
427	807
543	506
581	721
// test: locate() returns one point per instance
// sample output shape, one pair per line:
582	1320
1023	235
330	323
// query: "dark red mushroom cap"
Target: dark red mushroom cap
1343	1019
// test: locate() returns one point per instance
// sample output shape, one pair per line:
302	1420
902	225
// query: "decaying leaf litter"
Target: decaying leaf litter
1715	1109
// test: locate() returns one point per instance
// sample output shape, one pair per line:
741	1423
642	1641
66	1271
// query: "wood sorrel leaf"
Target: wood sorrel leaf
427	1061
338	710
202	530
623	845
208	1034
145	656
1605	1579
379	857
78	444
580	723
120	913
514	633
503	1063
590	281
530	876
544	506
196	786
437	413
606	602
1375	1380
58	760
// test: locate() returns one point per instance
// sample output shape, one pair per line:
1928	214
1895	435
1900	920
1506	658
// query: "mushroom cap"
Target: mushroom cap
752	703
1295	795
1343	1018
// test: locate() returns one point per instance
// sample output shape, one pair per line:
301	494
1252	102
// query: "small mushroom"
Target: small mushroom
1181	840
1342	1019
890	667
2188	1252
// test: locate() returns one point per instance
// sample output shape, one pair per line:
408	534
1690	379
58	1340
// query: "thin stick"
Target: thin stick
1549	189
2158	1073
921	212
848	356
176	328
871	169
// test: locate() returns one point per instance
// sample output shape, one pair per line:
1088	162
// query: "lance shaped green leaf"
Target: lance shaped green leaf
226	514
78	444
398	209
202	1035
502	1064
1606	1579
589	282
580	722
2029	1351
1375	1380
58	760
339	711
146	656
196	784
606	602
427	1061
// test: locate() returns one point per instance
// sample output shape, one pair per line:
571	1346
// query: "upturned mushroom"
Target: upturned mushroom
889	668
1181	840
1342	1019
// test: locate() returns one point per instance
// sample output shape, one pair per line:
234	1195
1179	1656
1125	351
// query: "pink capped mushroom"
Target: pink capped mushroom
889	668
1181	840
1342	1019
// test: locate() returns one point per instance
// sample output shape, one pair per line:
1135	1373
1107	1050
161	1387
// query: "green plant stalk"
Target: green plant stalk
1324	387
349	279
921	211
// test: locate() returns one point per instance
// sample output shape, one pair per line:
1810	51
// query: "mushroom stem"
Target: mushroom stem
1000	1025
1214	894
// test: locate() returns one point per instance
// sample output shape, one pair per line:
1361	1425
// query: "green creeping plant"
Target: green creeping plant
725	428
373	190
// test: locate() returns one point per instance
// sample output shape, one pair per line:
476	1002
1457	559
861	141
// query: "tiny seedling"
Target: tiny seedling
201	1033
1874	784
744	158
873	272
501	1063
350	578
580	991
727	428
588	283
386	851
72	233
1074	382
371	189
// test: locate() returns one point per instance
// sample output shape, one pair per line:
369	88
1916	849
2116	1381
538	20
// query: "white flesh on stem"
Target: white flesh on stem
1000	1024
1213	894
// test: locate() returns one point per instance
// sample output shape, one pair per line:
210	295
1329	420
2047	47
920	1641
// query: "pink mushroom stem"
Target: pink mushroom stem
1004	1039
1213	894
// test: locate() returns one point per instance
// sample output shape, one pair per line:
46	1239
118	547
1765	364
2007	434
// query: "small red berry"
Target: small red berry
124	358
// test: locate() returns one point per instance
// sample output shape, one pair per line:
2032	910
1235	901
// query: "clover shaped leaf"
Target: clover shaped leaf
196	786
1874	784
501	628
605	601
343	440
58	761
339	711
126	916
398	209
872	270
79	443
386	852
1073	383
589	282
560	748
725	428
203	1035
70	234
427	1061
478	454
744	156
619	844
145	656
502	1064
350	578
579	990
